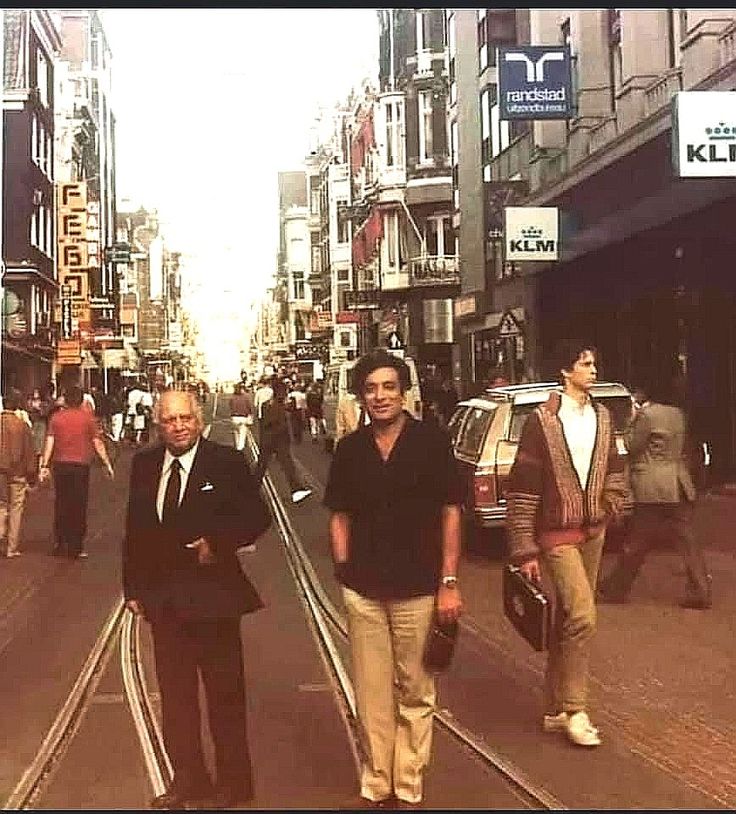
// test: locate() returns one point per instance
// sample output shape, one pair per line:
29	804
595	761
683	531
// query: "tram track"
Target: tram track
325	616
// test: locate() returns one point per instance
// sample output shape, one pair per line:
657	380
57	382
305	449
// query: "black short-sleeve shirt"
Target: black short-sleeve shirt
395	508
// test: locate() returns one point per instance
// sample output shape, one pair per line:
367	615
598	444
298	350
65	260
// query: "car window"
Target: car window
474	429
519	415
455	422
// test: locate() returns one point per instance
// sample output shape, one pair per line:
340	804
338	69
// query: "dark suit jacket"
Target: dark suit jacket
158	569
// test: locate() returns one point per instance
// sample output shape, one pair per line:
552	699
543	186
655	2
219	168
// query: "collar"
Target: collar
186	460
569	404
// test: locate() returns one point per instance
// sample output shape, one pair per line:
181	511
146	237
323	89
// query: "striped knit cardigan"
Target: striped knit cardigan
547	505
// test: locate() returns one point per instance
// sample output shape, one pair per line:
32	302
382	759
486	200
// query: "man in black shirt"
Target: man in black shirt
394	495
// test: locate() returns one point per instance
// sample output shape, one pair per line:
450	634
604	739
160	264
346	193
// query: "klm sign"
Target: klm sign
531	233
534	82
704	134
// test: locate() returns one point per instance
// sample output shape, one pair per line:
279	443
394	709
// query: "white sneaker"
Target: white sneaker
12	554
580	730
300	494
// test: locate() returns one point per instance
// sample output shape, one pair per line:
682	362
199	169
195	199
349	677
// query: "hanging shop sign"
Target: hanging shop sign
535	82
704	134
531	233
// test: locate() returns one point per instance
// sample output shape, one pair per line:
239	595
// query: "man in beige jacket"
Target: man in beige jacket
18	468
664	497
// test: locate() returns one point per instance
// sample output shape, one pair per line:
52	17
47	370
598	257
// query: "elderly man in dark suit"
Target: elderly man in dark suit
192	503
664	497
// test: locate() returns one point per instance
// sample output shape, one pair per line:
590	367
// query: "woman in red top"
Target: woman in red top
71	442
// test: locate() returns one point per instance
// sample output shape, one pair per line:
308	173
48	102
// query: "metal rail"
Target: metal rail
67	722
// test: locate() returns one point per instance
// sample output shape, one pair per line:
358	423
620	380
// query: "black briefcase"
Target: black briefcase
526	607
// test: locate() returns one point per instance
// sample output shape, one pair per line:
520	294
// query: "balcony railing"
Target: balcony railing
660	93
362	299
434	270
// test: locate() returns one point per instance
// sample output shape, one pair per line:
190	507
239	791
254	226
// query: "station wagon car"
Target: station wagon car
485	433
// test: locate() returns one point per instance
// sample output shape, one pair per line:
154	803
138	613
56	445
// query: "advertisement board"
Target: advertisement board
531	233
535	82
704	134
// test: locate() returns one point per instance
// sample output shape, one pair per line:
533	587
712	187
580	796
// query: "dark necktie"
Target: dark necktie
171	496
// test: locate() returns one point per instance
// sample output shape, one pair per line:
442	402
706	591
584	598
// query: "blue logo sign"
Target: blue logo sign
534	82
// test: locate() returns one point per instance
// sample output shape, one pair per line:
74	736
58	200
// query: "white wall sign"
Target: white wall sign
704	134
531	232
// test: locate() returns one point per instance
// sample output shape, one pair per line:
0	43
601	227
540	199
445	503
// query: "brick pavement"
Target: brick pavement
663	678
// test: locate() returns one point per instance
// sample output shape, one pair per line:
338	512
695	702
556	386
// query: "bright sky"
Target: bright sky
210	105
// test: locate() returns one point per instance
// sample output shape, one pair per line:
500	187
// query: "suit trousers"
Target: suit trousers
212	647
574	572
650	523
71	493
395	695
276	444
12	500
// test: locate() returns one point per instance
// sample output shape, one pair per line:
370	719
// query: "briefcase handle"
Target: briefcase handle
533	587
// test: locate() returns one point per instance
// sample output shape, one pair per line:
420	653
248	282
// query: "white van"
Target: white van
337	391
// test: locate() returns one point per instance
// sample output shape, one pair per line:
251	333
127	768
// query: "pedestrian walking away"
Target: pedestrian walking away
274	440
315	410
394	494
567	483
72	440
241	415
664	499
18	470
192	504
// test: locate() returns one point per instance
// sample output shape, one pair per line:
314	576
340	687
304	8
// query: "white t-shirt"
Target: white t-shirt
579	425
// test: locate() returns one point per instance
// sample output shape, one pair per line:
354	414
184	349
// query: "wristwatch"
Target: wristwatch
449	582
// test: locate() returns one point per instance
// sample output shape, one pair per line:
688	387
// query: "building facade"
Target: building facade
644	257
31	44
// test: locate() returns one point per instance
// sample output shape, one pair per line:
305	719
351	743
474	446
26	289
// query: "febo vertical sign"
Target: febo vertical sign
534	82
704	134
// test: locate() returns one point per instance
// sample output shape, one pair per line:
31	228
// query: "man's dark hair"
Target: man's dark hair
375	360
566	353
73	396
13	399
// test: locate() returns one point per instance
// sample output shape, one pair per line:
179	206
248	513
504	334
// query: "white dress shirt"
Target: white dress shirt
186	460
579	423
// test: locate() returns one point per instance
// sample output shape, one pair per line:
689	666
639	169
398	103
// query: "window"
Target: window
299	287
34	139
454	145
343	275
316	260
49	235
473	431
451	41
343	224
394	134
391	229
423	37
499	130
425	126
42	78
33	236
437	235
314	201
483	42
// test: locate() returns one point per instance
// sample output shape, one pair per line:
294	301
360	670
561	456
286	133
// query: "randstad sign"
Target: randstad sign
534	82
531	232
704	134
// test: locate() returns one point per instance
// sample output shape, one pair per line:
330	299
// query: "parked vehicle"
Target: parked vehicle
485	433
338	392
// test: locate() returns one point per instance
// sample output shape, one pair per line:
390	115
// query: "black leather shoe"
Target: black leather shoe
172	798
696	603
176	797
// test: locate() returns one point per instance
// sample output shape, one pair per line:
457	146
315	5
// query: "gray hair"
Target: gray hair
194	405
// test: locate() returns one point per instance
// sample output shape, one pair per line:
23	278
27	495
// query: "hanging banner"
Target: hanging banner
531	233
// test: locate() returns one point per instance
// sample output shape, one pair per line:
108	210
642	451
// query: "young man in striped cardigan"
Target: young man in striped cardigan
566	485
